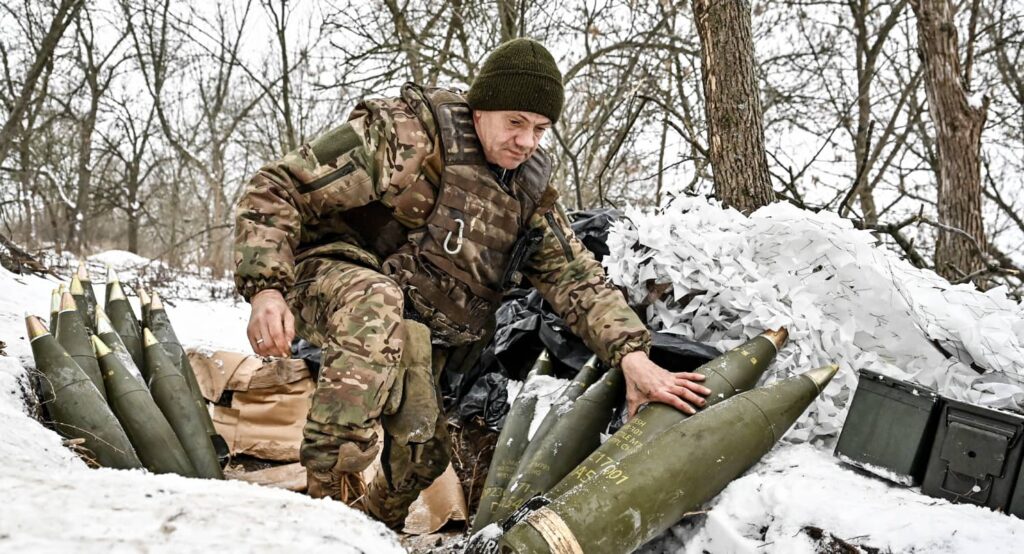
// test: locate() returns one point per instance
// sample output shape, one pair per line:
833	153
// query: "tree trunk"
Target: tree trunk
862	140
25	162
133	208
508	17
281	30
133	232
733	104
958	122
76	233
219	247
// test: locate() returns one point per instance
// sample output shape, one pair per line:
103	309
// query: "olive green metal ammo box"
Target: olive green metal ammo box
890	428
976	457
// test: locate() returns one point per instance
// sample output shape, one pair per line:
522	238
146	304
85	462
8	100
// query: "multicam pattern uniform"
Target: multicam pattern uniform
317	223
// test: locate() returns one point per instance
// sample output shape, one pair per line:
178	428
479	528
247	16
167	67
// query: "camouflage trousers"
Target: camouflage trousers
375	367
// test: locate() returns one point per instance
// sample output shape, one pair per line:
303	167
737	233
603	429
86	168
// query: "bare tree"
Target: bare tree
279	14
99	67
292	104
128	144
869	43
958	119
64	13
224	100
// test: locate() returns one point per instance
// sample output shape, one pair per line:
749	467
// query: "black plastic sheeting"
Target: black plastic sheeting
591	227
309	353
487	398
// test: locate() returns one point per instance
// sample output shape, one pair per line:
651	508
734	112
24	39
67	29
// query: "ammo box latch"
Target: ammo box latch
975	453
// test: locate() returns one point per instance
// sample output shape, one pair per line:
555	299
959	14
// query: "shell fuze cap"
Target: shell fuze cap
519	75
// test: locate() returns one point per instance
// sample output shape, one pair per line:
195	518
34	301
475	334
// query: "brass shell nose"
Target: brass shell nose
35	326
778	337
822	375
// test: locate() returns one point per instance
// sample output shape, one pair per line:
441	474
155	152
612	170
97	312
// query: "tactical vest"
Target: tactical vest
454	268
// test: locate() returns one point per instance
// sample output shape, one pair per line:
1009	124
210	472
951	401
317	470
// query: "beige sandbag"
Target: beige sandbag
441	502
270	398
269	401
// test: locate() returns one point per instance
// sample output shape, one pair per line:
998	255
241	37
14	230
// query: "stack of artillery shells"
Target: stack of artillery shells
74	403
147	428
543	449
511	444
567	470
126	397
619	510
733	372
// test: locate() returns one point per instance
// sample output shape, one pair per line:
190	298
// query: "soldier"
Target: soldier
398	231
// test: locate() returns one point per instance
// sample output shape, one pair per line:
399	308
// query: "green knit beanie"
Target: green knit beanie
519	75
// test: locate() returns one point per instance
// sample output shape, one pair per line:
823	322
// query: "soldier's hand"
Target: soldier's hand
648	382
271	324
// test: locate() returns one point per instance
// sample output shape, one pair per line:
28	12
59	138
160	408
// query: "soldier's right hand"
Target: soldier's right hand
271	324
648	382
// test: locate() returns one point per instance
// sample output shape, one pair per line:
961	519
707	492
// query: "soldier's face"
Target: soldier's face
509	137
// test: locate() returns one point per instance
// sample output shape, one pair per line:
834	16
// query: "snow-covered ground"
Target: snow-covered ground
52	502
809	272
798	487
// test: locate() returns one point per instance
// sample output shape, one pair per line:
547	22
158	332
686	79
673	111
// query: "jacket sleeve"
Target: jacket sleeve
350	166
574	283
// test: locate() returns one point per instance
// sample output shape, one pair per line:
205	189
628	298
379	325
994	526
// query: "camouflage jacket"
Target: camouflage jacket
353	192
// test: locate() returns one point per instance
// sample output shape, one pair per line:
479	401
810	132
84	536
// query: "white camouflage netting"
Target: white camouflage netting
844	298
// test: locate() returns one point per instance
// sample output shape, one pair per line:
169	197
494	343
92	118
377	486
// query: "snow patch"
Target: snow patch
548	389
883	472
798	486
120	260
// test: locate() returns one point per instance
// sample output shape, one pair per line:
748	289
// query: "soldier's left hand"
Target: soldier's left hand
647	382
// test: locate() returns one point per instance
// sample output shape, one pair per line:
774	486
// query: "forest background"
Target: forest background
135	124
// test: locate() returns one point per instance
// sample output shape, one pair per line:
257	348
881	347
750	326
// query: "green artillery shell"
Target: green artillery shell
113	341
575	434
675	473
73	336
121	315
75	405
147	428
160	325
158	322
55	305
733	372
88	293
111	279
144	301
511	443
587	375
78	293
172	395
